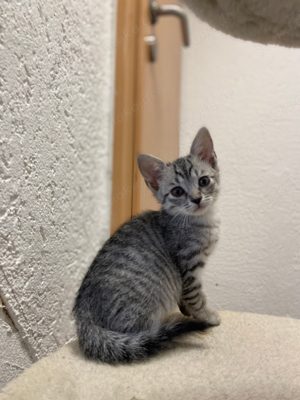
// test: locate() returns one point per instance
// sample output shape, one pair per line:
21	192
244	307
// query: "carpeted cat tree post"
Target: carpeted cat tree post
262	21
249	356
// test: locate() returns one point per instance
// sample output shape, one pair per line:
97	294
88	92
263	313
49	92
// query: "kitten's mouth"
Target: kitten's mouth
199	208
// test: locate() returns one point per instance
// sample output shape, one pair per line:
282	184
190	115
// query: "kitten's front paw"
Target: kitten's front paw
212	317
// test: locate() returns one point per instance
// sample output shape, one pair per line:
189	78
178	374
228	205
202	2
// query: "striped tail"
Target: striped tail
116	347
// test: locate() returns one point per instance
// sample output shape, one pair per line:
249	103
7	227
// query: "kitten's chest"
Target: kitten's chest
211	241
199	243
205	239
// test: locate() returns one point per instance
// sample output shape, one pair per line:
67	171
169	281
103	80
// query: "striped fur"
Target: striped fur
150	266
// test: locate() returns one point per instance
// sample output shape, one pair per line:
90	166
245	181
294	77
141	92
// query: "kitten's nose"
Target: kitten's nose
196	201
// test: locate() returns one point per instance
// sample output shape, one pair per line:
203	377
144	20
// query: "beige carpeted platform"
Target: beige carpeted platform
249	356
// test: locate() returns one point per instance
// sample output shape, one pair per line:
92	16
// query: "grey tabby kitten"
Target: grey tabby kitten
151	265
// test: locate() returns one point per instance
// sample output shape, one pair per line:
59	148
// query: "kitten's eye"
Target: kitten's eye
177	192
204	181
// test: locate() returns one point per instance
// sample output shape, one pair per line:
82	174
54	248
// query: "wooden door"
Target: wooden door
146	102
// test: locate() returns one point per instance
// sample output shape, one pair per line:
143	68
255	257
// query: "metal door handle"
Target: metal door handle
157	10
152	43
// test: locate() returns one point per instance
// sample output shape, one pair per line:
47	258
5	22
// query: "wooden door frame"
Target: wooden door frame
124	116
132	54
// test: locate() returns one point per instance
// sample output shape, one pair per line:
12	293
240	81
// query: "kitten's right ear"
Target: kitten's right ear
152	169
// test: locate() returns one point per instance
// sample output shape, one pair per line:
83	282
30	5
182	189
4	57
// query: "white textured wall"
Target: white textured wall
248	95
14	355
56	86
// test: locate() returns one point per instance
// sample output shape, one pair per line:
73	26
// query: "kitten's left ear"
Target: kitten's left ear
203	147
152	169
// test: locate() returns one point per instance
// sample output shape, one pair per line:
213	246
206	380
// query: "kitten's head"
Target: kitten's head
188	185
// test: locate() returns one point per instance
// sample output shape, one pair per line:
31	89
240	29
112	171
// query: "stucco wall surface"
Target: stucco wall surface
56	101
248	95
14	354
